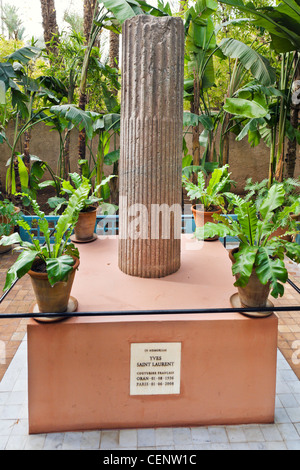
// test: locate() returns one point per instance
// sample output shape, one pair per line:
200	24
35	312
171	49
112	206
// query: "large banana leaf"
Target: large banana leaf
191	119
201	40
282	22
11	177
245	108
76	116
258	65
125	9
24	55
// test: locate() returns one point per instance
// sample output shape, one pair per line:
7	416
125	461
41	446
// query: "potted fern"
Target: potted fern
210	197
259	190
258	261
85	226
51	266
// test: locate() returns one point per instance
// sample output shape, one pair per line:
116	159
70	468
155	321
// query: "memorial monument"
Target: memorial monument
151	146
128	368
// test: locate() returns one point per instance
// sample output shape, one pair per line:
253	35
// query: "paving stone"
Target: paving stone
253	433
293	445
270	432
164	436
35	442
16	443
72	440
182	436
239	446
109	440
294	413
128	438
217	434
90	440
53	441
281	416
288	400
288	431
236	434
200	435
146	437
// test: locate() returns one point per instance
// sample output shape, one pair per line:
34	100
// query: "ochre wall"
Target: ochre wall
245	162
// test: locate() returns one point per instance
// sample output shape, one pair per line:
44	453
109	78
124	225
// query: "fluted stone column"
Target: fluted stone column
151	146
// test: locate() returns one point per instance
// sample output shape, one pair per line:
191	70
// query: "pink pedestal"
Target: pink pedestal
79	369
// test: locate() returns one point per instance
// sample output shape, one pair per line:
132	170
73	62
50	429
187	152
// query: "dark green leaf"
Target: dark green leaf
58	269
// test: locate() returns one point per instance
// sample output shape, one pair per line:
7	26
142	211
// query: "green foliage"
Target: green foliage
8	46
281	21
210	196
68	188
58	257
123	9
257	191
8	217
255	227
258	65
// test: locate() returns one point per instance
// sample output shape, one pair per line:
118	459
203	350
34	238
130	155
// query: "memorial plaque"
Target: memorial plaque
155	368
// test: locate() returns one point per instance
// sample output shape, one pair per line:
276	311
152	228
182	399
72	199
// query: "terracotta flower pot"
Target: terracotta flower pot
202	217
4	220
52	299
283	230
85	227
254	294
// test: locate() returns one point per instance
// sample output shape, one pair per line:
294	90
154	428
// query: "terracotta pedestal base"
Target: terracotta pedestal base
79	370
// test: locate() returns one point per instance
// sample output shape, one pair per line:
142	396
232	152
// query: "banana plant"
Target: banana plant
58	257
16	83
254	227
282	23
104	127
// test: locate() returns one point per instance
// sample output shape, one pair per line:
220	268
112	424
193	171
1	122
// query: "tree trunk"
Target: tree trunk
88	15
82	133
114	53
294	119
114	49
26	152
195	109
17	175
225	139
50	25
66	163
90	8
279	168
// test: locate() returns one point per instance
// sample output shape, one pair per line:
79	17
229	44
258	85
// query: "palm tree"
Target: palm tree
74	20
50	27
10	18
114	39
89	8
93	34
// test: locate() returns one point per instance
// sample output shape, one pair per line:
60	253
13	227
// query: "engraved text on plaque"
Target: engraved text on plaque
155	368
